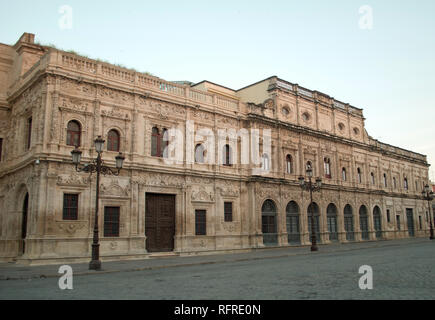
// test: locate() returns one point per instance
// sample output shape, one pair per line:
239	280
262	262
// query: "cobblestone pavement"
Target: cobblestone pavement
401	270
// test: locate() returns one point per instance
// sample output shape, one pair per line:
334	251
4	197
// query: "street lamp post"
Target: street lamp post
429	195
98	167
311	187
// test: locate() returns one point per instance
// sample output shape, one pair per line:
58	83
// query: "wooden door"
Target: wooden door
160	222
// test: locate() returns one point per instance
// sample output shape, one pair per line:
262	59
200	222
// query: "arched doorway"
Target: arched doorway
316	214
292	214
364	223
348	223
268	223
377	222
331	216
25	212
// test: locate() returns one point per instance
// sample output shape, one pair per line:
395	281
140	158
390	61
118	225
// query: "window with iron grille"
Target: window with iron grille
199	153
327	167
228	211
398	222
1	148
200	223
111	221
70	206
268	224
113	140
164	143
155	142
419	222
73	134
288	160
29	132
227	157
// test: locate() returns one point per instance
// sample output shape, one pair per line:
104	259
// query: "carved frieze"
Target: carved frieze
229	191
202	195
78	88
112	113
114	190
73	180
199	115
160	180
71	227
73	104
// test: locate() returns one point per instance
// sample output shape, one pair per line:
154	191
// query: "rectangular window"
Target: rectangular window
419	221
70	206
398	222
388	216
29	132
111	221
1	148
228	211
200	223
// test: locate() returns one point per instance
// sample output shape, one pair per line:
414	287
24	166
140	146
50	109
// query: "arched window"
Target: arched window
373	177
73	135
155	143
226	156
265	162
310	165
289	164
113	141
385	180
327	166
164	143
199	153
159	142
359	175
343	174
405	183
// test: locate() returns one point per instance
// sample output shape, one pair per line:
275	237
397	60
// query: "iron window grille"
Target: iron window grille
70	206
228	211
200	223
111	221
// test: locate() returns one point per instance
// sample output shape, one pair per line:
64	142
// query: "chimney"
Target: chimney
28	52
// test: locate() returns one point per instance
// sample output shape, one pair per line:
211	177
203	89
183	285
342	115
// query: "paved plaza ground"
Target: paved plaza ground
402	269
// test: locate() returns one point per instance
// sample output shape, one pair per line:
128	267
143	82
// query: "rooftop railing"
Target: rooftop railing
104	71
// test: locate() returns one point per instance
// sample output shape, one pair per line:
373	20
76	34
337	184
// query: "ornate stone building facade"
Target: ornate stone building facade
51	100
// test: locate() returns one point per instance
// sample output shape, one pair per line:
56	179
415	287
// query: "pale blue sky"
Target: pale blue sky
388	71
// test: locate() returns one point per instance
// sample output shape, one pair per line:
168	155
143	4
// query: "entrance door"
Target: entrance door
160	222
24	224
410	220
